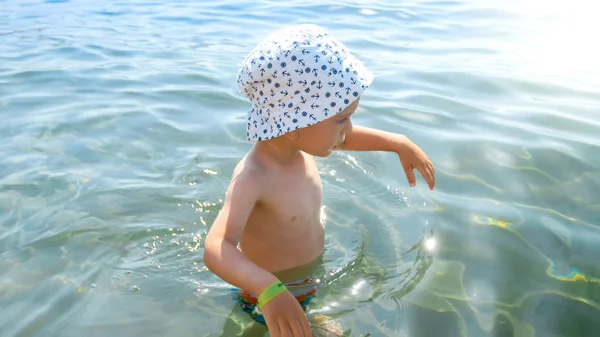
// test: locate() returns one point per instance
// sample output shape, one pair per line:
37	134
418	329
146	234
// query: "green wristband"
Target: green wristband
270	292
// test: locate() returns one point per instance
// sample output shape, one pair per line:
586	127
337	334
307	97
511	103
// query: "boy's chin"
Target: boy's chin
321	153
326	153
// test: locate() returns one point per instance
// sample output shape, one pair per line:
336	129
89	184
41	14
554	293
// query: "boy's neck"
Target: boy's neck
278	149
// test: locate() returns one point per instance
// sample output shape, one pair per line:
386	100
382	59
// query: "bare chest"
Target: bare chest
285	229
293	198
297	198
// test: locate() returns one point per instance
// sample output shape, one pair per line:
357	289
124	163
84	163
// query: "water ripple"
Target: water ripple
122	124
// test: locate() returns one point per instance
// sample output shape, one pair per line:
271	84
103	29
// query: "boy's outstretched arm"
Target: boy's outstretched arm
411	156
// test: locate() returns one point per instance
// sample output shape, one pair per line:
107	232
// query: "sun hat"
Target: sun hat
296	77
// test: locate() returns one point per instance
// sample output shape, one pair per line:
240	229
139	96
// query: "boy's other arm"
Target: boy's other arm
411	156
221	254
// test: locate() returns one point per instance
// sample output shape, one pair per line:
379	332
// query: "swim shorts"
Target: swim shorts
304	290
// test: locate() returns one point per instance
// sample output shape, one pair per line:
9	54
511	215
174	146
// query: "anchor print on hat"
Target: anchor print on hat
297	77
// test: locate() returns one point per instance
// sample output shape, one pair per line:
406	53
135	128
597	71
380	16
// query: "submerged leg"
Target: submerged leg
236	325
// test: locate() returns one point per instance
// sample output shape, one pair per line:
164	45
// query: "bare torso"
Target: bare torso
284	232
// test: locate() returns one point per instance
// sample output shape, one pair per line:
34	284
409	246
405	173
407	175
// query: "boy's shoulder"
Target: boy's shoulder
249	168
247	180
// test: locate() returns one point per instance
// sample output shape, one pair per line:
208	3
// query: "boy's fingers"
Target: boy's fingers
284	331
305	327
295	328
425	173
274	330
431	173
410	175
430	165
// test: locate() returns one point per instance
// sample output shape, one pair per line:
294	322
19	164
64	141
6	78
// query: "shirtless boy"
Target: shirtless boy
304	86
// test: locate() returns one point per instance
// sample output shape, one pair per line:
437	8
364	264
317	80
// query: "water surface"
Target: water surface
122	124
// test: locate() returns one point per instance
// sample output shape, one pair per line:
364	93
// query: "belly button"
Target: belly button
293	218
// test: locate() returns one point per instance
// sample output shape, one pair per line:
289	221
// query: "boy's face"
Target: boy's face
320	139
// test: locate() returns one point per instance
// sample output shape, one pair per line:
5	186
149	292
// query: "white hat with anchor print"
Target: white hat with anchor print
297	77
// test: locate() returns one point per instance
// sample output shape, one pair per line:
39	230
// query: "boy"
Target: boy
304	86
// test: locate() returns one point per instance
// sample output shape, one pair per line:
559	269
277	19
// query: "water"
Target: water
122	123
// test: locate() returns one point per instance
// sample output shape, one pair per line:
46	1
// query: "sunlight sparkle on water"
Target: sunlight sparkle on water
430	244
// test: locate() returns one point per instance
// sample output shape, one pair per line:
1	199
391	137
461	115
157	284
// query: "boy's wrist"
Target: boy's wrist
400	143
264	283
269	293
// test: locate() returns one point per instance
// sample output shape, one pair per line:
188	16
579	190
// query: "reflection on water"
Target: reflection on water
122	124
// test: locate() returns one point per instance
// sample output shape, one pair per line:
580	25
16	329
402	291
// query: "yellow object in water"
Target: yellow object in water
485	220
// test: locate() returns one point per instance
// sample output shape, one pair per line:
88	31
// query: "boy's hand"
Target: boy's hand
285	318
412	157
